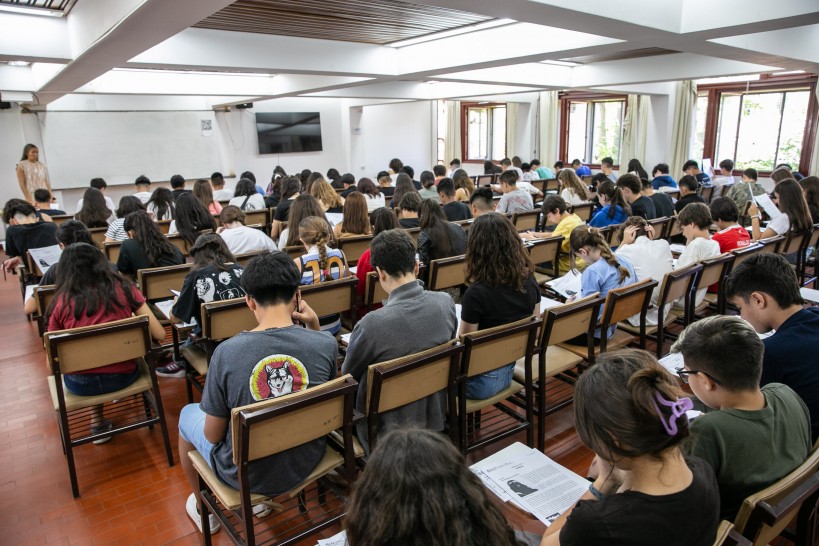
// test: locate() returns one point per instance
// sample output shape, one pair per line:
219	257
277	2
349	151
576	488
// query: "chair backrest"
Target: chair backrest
447	272
176	240
674	228
226	318
373	291
772	244
32	265
484	179
156	283
525	221
295	251
796	241
540	184
627	301
742	254
164	226
257	217
552	185
331	297
728	536
715	269
43	294
489	349
112	250
98	235
706	193
78	349
583	211
545	250
678	284
615	235
414	233
660	226
60	218
354	247
570	320
244	259
278	424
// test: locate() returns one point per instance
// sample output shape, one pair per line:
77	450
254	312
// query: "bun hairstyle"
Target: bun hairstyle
314	230
232	213
583	236
638	221
627	405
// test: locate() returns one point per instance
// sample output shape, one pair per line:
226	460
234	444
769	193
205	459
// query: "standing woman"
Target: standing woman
438	238
328	198
355	220
94	212
290	189
375	199
31	173
246	197
161	204
191	218
203	191
146	246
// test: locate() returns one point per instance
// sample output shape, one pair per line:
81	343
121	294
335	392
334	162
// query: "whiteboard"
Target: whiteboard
120	146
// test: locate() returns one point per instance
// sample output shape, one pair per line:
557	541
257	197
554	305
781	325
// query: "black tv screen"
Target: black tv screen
288	132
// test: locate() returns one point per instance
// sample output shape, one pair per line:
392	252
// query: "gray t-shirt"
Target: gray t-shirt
515	201
255	366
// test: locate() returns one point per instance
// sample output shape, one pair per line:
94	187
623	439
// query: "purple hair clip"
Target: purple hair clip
678	409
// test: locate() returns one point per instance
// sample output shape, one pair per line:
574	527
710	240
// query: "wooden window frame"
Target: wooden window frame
465	106
565	99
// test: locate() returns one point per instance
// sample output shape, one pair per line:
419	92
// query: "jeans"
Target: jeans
489	384
93	384
192	430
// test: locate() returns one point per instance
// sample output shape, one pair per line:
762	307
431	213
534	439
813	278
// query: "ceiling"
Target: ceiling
227	52
62	6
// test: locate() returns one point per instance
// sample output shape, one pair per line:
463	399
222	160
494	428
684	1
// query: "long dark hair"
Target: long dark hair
154	244
203	191
792	202
434	222
290	187
210	249
244	188
85	279
403	186
129	204
192	217
634	166
423	481
383	220
810	185
615	197
163	202
368	187
355	219
494	254
94	212
303	207
26	149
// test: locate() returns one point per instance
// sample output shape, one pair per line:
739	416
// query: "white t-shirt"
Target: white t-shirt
697	250
245	239
256	202
570	197
172	227
781	224
143	196
222	195
375	202
108	203
721	186
651	259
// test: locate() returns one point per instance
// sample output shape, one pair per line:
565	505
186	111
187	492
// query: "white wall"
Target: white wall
402	130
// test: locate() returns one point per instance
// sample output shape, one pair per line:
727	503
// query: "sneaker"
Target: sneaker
173	369
104	426
192	507
262	510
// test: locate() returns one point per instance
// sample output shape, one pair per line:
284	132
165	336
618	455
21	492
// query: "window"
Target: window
591	126
484	131
758	124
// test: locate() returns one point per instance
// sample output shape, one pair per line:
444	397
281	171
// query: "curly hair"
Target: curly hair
154	244
569	180
324	192
495	255
583	236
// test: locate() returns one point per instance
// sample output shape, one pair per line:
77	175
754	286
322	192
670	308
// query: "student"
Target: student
573	190
489	167
335	179
440	172
796	175
765	289
375	198
614	208
143	189
528	174
101	185
663	205
463	185
543	173
220	193
555	212
513	199
605	271
291	188
270	283
246	197
743	191
116	229
384	184
239	238
42	202
752	437
481	201
632	188
692	168
502	289
348	181
278	173
162	204
662	179
421	476
410	206
274	193
203	191
409	171
89	292
580	169
383	219
453	209
438	238
781	173
636	168
506	165
651	259
320	263
328	198
688	193
695	220
145	247
403	186
594	184
94	213
178	186
794	208
395	166
607	168
810	185
631	413
558	166
191	219
355	219
454	166
428	191
731	235
425	319
303	207
25	232
724	182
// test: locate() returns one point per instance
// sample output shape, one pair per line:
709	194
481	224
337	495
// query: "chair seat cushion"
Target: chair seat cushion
558	360
73	401
475	405
337	438
196	357
618	340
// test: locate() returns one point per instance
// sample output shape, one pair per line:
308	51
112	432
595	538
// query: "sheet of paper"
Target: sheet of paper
353	269
46	257
671	362
568	285
175	292
165	307
548	303
334	217
708	167
336	540
29	292
346	338
505	456
764	201
810	294
677	248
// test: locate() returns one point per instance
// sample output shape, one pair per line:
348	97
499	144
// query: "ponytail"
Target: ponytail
314	230
583	236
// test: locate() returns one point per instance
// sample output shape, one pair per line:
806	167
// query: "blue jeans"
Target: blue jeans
489	384
93	384
192	430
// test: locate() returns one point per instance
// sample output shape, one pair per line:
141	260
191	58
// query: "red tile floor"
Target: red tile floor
129	496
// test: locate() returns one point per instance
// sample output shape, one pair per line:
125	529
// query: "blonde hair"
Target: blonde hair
324	192
583	236
569	180
314	230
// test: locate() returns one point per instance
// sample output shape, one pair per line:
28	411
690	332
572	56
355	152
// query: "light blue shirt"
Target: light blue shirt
602	277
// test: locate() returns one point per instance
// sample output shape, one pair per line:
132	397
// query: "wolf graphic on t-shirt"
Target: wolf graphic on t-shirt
277	375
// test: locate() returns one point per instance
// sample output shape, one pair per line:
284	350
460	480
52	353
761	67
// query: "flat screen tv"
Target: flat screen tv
288	132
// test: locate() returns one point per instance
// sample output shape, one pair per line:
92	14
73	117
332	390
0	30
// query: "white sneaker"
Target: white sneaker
192	506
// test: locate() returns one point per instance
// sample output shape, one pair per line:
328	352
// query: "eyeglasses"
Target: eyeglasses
683	375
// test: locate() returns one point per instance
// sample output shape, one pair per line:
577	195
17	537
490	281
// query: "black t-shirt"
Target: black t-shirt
272	200
388	191
409	223
204	286
283	210
50	276
687	518
21	237
456	211
51	212
417	185
663	205
348	191
335	210
132	258
177	193
643	206
687	199
488	307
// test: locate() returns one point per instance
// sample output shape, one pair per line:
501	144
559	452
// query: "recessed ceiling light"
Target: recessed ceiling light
454	32
194	72
19	63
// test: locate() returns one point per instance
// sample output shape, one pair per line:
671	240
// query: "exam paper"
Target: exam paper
336	540
568	285
764	201
45	257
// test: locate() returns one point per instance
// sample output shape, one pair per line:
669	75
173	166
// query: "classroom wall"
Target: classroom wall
403	130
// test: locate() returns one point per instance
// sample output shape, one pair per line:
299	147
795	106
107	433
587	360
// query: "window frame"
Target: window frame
766	83
465	106
565	99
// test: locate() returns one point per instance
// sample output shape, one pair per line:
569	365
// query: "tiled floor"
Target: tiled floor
129	496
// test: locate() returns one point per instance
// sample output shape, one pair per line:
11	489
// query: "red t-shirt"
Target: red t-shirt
63	318
361	269
732	238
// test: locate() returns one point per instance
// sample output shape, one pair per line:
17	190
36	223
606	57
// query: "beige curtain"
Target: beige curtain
684	108
548	119
452	144
635	129
511	129
814	162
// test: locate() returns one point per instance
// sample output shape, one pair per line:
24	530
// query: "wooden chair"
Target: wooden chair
526	221
583	211
560	324
180	243
765	515
484	179
661	226
545	251
260	217
485	351
772	244
295	251
137	405
156	283
714	272
373	291
728	536
551	185
706	193
797	242
43	295
354	247
447	273
244	259
112	250
674	228
810	261
265	429
60	218
98	235
32	267
331	297
164	226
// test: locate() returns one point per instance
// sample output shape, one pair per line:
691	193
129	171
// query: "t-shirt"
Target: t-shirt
132	258
427	250
601	217
687	200
254	202
143	196
750	450
53	212
517	200
565	228
687	518
704	180
643	206
663	205
116	230
62	318
255	366
544	173
108	203
204	286
224	194
696	251
601	277
177	193
246	239
731	238
488	307
651	260
583	170
429	193
283	210
456	211
791	358
409	223
21	237
571	198
741	192
311	273
781	224
721	186
375	201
